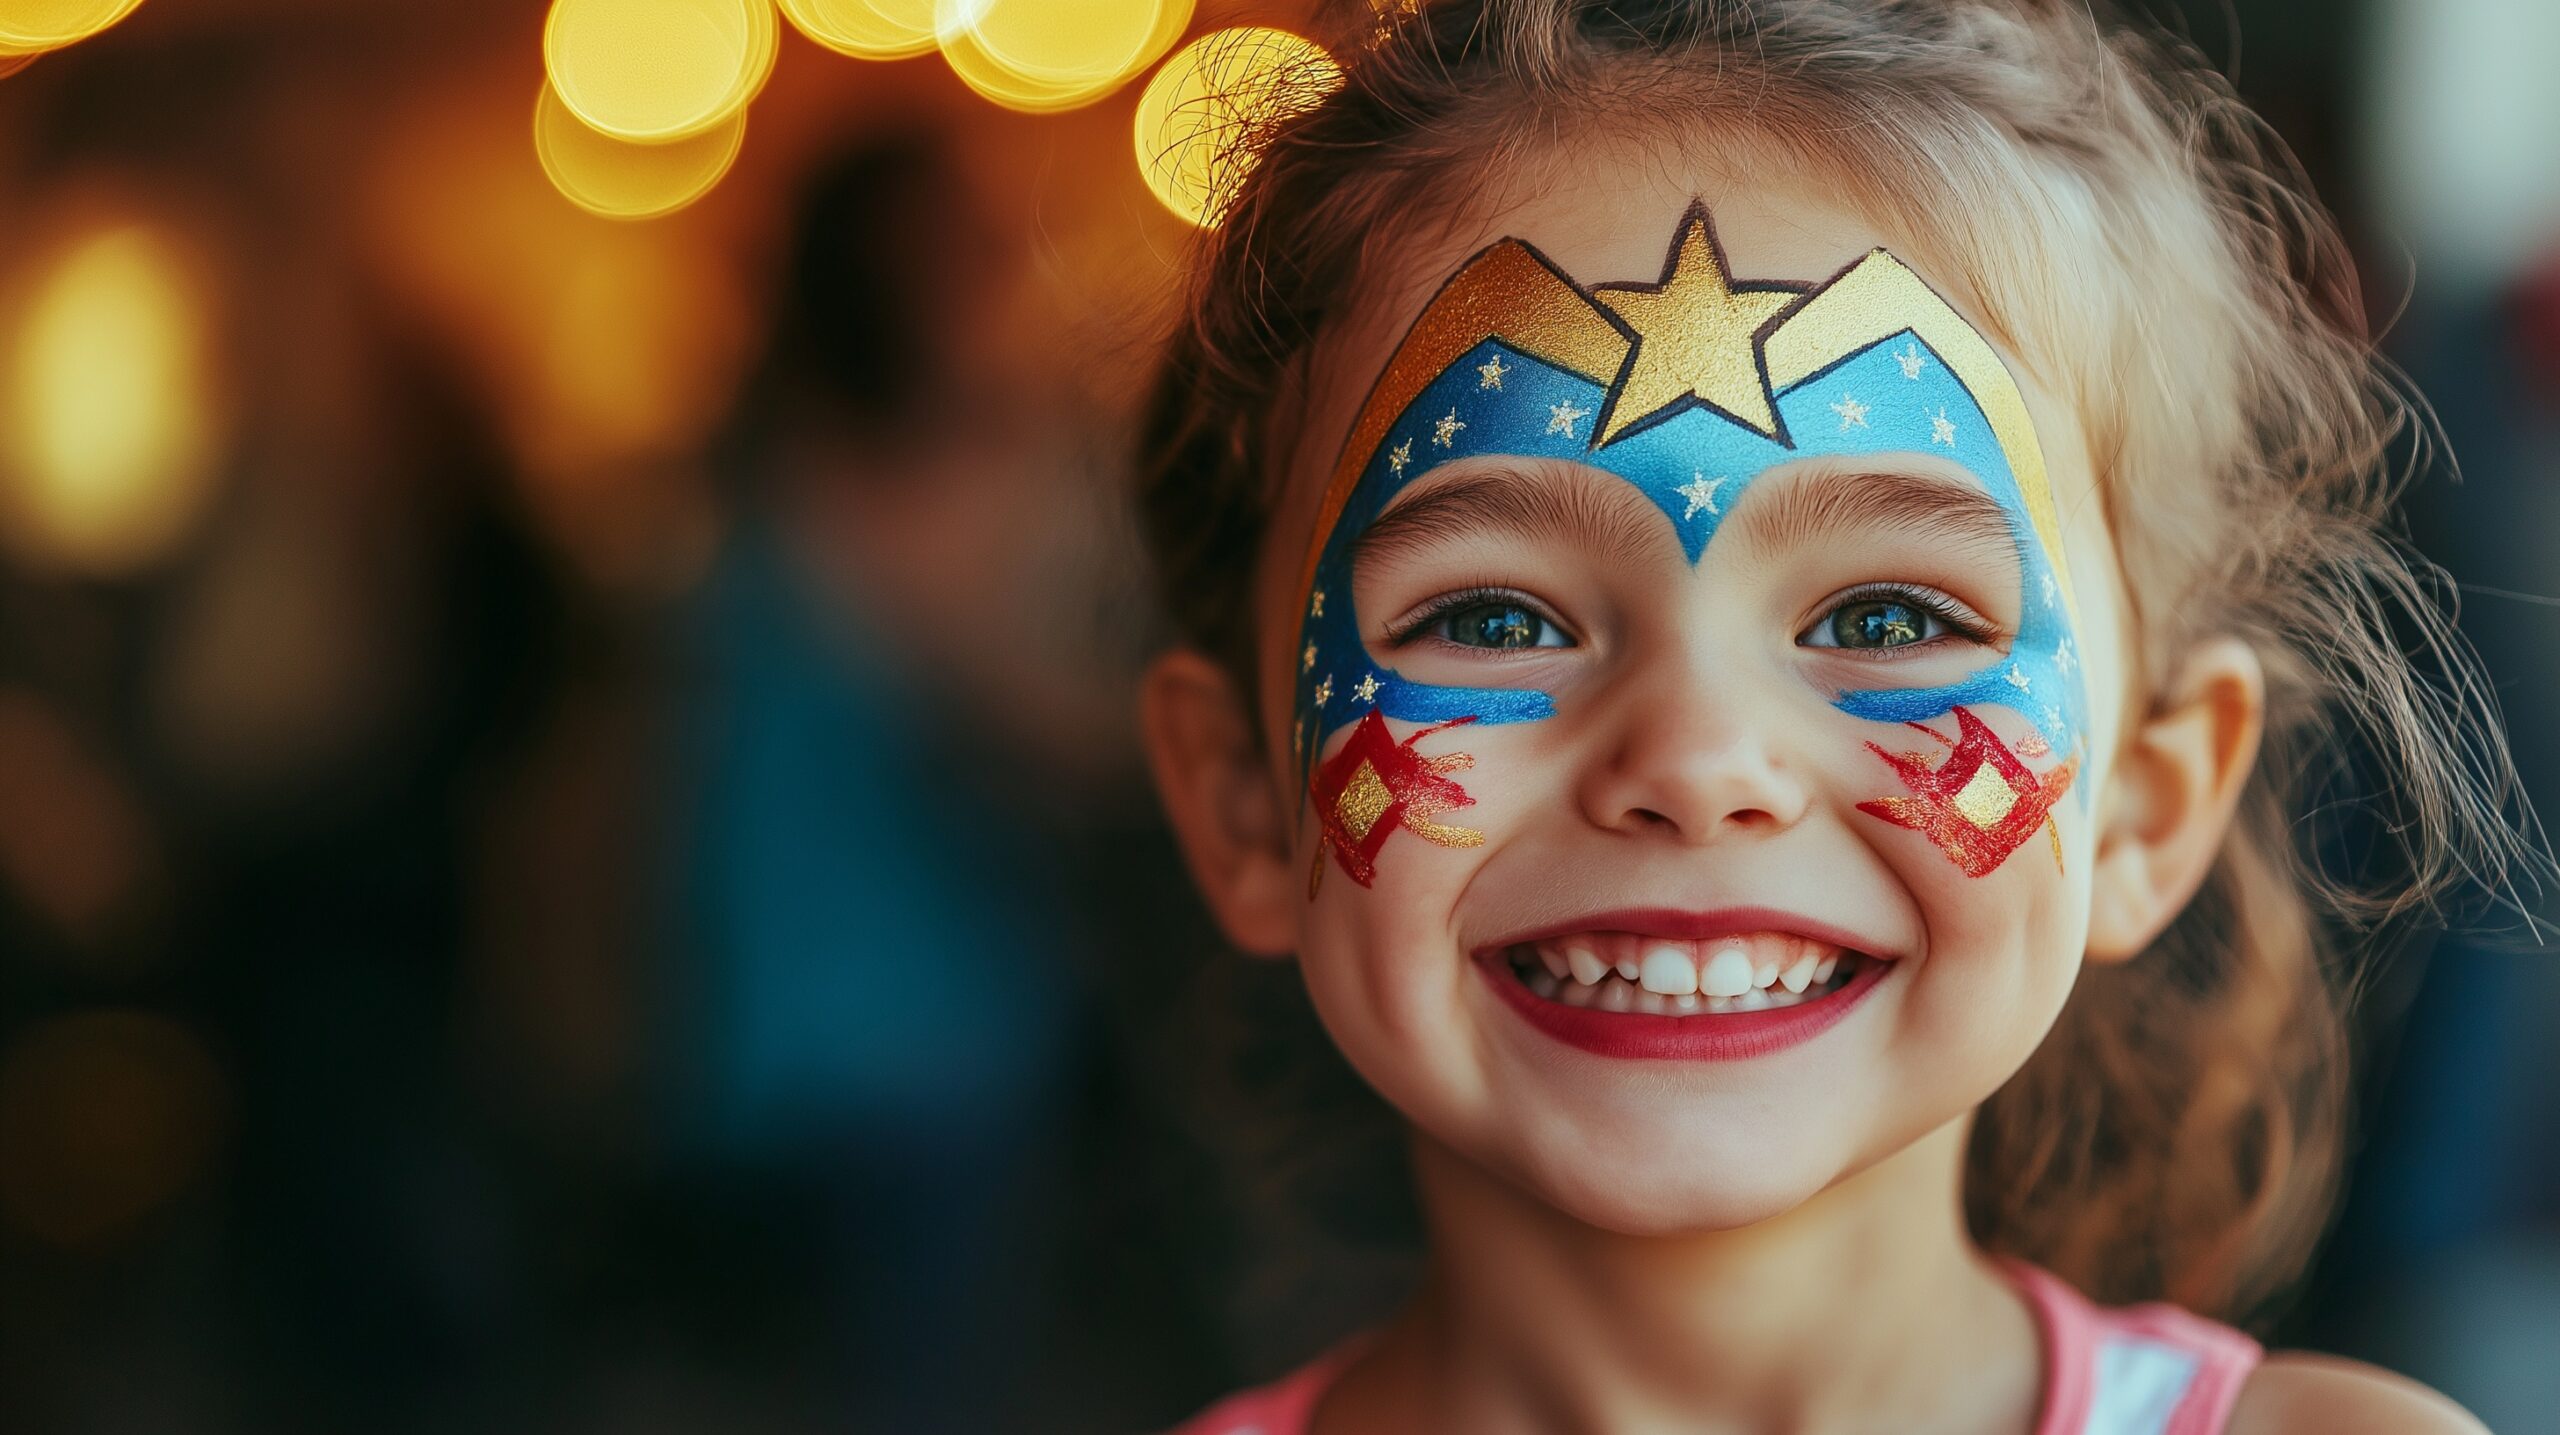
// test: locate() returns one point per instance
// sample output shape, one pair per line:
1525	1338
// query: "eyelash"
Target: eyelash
1420	624
1962	621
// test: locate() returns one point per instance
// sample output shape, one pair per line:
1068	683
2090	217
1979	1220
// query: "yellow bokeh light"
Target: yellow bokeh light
106	423
12	64
1066	42
1081	50
1215	90
866	29
620	180
27	25
656	71
981	72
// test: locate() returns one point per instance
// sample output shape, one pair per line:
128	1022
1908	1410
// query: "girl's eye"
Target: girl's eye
1879	623
1890	619
1496	625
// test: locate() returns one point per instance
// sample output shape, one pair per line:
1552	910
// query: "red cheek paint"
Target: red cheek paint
1980	804
1376	785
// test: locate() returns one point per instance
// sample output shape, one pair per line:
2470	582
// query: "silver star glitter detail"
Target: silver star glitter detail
1562	417
1445	432
1942	429
1491	372
1324	690
1911	361
1399	456
1367	690
1700	490
1853	414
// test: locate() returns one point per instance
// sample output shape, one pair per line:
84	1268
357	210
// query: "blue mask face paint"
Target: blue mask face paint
1688	389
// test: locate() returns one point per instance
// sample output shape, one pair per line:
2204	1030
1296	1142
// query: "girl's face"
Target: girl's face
1696	673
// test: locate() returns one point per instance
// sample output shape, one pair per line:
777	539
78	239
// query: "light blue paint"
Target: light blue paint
1523	417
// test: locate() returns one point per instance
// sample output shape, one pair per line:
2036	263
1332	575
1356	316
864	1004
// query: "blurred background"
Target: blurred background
531	609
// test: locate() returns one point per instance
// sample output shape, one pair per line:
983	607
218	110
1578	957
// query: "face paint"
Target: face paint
1688	388
1981	803
1376	785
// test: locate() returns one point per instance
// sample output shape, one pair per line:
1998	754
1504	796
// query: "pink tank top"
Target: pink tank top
2149	1369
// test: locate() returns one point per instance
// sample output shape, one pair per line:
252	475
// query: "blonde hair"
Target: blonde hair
2129	229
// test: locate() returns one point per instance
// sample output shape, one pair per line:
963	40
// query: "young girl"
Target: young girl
1763	586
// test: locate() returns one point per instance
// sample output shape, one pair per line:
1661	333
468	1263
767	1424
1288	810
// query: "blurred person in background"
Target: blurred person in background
915	917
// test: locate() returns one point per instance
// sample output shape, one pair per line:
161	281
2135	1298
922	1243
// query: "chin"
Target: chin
1702	1187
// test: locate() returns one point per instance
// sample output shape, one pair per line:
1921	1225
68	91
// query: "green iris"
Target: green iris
1877	623
1496	625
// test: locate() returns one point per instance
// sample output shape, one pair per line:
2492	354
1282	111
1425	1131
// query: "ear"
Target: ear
2177	779
1226	808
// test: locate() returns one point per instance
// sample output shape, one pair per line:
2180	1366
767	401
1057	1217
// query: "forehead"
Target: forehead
1600	221
1607	225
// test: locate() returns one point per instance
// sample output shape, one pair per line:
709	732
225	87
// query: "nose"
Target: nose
1695	756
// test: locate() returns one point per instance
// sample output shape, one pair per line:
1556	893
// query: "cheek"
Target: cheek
2003	948
1396	835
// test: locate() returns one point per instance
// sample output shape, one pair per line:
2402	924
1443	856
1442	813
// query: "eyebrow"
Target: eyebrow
1537	501
1792	513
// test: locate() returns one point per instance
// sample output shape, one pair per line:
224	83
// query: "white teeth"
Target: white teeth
1800	975
1744	972
1726	974
1668	970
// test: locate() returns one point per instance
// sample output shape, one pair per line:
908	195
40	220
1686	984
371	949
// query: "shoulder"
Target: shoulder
2329	1395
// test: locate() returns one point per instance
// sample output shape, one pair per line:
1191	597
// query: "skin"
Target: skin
1706	1246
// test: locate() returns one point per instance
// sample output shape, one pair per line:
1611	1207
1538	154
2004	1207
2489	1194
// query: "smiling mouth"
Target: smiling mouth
1656	976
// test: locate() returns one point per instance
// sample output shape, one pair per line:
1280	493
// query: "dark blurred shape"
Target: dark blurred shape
888	246
875	965
106	1117
74	846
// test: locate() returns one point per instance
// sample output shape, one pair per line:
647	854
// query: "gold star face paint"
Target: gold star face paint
1689	386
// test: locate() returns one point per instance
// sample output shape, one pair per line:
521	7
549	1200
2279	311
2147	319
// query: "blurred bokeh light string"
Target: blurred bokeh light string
644	102
108	423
